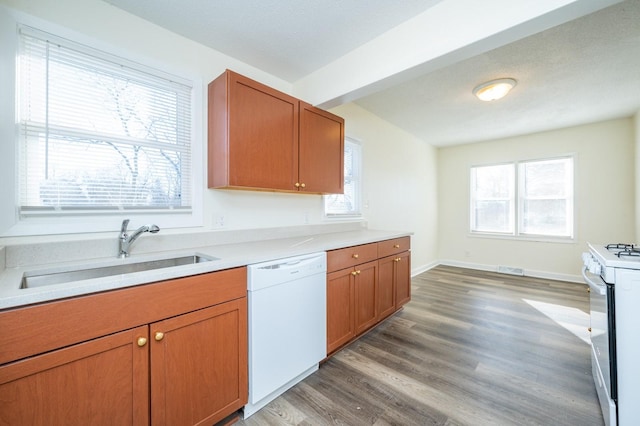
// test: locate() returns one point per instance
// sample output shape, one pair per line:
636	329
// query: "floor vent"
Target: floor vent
510	270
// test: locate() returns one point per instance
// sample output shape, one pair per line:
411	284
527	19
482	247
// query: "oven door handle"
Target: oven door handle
593	285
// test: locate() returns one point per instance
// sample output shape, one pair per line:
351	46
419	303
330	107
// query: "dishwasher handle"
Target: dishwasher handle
594	285
267	274
291	264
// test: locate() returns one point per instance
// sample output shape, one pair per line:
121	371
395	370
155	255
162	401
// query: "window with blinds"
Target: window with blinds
99	134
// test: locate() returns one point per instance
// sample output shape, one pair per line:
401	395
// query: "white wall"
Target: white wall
400	175
97	23
399	169
604	200
636	179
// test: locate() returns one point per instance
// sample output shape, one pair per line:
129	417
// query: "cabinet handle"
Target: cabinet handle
358	272
397	259
142	341
297	185
302	185
159	336
396	246
589	329
353	273
588	289
355	256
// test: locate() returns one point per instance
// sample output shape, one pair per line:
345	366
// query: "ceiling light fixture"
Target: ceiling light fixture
494	89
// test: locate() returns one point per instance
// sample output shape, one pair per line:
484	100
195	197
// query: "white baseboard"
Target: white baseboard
423	268
494	268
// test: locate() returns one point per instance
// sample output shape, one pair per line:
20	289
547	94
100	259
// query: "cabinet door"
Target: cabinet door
100	382
340	320
366	283
253	135
321	167
199	365
386	286
403	279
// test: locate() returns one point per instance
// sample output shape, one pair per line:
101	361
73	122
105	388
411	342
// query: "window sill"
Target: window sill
530	238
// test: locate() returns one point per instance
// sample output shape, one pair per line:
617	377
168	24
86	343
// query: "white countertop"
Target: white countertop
229	256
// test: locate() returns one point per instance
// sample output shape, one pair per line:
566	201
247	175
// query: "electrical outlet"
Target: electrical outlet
218	221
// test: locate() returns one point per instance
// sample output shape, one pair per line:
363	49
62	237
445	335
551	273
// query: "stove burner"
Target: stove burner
622	246
629	252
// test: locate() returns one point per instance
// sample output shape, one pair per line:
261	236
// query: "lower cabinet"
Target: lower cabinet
366	292
402	277
101	382
198	365
395	283
366	295
186	369
387	287
340	312
351	303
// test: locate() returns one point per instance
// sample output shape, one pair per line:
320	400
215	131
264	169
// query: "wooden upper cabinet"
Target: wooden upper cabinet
321	166
263	139
253	135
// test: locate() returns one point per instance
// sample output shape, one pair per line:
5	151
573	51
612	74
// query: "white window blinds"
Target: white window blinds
99	133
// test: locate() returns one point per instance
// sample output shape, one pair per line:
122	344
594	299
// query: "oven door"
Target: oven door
603	356
602	328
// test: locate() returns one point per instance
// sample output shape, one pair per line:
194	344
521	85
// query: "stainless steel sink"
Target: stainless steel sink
39	279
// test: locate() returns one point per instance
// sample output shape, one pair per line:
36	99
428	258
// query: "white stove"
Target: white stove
613	274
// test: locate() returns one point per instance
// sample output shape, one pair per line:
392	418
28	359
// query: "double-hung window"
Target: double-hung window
525	199
348	204
98	134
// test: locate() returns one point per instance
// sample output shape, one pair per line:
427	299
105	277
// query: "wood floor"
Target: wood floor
471	348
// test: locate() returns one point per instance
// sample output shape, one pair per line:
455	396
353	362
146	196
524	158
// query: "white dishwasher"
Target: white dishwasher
287	324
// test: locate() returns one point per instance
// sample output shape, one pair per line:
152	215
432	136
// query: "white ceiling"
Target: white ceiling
582	71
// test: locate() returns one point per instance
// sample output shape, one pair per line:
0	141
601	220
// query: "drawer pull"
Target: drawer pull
297	185
355	256
142	341
158	336
353	273
396	246
358	272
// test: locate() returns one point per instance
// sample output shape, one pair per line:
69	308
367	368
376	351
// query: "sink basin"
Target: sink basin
39	279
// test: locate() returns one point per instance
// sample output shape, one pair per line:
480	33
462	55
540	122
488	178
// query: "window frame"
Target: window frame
516	231
510	199
15	224
357	211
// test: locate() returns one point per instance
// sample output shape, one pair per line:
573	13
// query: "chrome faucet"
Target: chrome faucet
126	240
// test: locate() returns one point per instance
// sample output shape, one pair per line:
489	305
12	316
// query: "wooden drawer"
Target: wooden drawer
351	256
396	245
35	329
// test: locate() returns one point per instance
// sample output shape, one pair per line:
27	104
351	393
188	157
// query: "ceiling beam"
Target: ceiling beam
448	32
